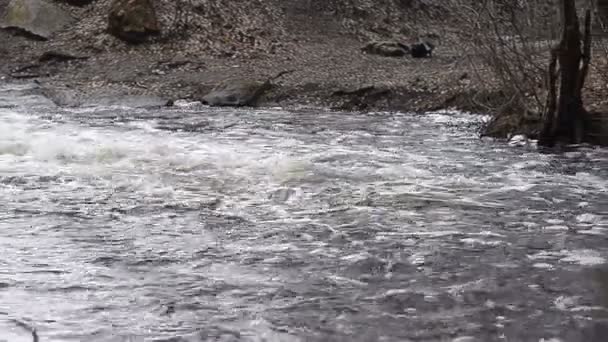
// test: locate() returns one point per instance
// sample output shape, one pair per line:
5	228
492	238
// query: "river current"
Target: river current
200	224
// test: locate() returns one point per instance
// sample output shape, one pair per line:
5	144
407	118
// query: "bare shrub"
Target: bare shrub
510	41
181	20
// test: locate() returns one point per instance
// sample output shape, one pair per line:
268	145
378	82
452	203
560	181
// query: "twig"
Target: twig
27	327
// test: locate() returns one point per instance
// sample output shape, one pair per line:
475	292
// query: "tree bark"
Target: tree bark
564	122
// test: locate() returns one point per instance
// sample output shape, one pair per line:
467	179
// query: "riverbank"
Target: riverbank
322	70
320	43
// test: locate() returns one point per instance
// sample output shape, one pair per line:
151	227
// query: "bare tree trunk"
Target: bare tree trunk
564	122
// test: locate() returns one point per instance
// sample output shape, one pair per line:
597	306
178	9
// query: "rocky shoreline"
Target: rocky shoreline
330	69
323	75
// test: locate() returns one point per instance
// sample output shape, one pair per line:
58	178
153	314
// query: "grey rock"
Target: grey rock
386	48
133	21
39	18
236	93
62	96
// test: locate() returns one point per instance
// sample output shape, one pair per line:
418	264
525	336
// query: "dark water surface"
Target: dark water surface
187	224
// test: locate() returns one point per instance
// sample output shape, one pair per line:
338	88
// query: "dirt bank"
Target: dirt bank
311	39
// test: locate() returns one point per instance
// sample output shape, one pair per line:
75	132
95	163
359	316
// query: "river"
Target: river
199	224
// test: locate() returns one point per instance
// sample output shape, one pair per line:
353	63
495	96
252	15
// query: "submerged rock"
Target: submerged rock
133	21
236	93
38	18
386	48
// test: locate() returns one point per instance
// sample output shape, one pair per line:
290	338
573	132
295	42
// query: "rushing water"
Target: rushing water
192	224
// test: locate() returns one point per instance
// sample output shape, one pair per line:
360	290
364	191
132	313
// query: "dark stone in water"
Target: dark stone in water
368	266
282	195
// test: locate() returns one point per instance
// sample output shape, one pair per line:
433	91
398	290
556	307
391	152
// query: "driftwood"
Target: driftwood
59	56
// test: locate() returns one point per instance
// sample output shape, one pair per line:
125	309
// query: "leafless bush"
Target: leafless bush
600	65
182	17
510	41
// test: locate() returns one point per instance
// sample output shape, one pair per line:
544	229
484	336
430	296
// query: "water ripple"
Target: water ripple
193	224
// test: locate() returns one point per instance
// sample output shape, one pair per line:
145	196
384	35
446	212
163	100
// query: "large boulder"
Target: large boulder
133	21
236	93
38	18
386	48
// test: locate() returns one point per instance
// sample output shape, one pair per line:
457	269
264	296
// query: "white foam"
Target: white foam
473	241
543	265
556	228
565	303
585	257
588	218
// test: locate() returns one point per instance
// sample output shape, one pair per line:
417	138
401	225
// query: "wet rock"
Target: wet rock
386	48
133	21
38	18
62	96
236	93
